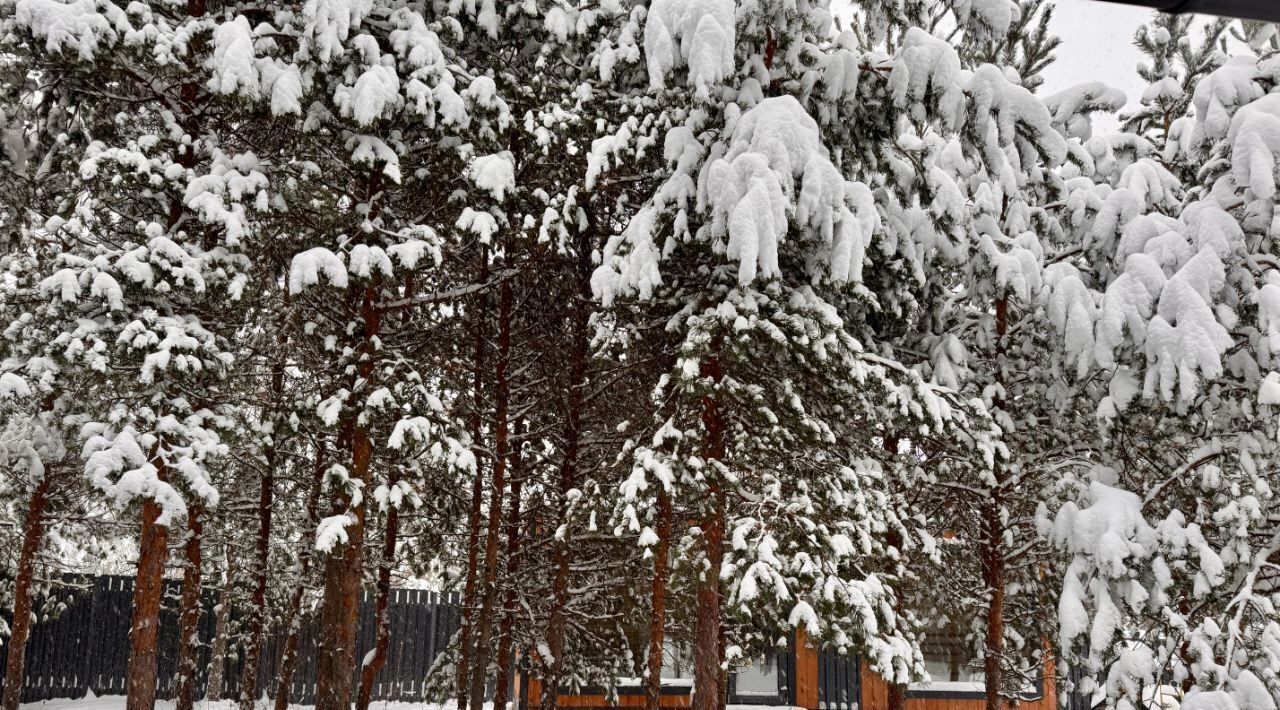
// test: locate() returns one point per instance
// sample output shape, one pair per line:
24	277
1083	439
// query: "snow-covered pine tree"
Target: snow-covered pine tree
364	257
1173	533
990	170
142	251
747	249
1176	60
31	447
978	166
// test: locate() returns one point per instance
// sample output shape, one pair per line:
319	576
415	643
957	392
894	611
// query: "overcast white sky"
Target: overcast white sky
1097	45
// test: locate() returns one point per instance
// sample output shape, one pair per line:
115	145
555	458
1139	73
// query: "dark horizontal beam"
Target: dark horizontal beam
1267	10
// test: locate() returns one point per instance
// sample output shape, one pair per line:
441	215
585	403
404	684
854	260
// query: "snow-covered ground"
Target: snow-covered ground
116	702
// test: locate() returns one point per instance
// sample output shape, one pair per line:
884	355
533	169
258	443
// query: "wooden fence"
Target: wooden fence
85	647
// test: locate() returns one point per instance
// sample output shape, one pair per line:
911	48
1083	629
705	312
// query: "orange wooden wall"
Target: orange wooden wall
635	700
875	692
875	695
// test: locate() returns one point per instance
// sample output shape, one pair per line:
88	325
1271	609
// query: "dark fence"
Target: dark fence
85	647
839	681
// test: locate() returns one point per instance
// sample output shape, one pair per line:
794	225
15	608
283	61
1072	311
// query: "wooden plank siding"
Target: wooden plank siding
875	695
873	692
806	672
596	701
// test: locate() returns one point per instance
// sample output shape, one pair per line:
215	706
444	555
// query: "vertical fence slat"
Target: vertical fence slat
85	647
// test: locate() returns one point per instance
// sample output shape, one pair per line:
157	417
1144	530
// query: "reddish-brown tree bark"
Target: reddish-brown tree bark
479	327
556	620
339	612
148	592
258	598
382	641
289	652
184	693
506	628
153	552
708	642
501	395
993	562
897	692
658	604
20	631
993	577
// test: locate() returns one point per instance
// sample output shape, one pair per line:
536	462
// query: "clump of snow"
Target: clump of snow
1224	90
495	174
699	34
927	78
232	64
306	268
751	192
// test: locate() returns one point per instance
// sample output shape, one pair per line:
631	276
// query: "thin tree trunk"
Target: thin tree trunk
153	542
993	576
477	488
221	632
189	619
993	573
897	692
289	653
32	537
557	619
658	604
258	599
262	550
507	628
484	623
373	665
339	612
708	642
148	592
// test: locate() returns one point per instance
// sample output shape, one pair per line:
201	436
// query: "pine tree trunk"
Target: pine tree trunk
708	632
993	575
477	488
382	643
262	550
258	599
292	622
153	542
184	693
340	610
32	537
897	692
993	572
148	593
221	633
658	604
557	620
484	622
507	627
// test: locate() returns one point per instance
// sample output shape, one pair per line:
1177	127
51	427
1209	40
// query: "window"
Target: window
758	679
763	681
950	662
677	663
956	670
